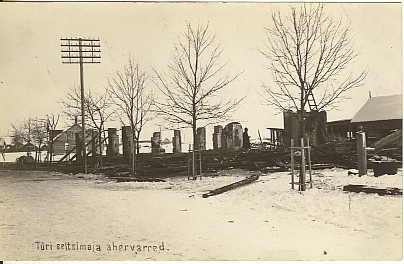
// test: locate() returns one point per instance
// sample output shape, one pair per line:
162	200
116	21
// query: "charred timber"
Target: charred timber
231	186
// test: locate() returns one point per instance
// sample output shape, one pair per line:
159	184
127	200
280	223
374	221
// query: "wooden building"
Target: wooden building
380	116
66	140
341	129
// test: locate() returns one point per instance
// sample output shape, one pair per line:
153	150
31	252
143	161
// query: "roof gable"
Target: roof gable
380	108
74	127
62	135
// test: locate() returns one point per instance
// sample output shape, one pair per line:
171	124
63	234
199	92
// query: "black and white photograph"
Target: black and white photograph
201	131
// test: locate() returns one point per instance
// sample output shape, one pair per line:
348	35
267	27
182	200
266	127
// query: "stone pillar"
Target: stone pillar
200	138
237	136
113	144
232	136
79	152
155	142
225	136
217	137
127	141
321	128
361	149
94	143
291	127
177	141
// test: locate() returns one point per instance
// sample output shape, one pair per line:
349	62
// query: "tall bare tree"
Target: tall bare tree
309	54
39	135
32	131
196	76
97	109
17	139
51	124
134	100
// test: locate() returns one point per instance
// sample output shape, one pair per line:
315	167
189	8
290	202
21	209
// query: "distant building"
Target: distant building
378	117
66	140
341	129
28	147
3	143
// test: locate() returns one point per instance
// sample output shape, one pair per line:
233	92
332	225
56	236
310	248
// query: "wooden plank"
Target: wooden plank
369	189
231	186
132	179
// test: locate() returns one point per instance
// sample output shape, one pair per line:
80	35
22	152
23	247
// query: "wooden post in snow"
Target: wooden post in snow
361	149
302	181
309	160
292	162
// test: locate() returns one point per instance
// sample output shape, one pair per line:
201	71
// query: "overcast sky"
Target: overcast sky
33	78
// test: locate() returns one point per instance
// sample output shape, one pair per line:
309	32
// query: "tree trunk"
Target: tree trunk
36	158
302	125
100	147
133	154
195	141
137	143
302	135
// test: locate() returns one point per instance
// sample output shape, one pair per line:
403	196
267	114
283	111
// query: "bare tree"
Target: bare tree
16	138
309	53
97	109
21	133
134	101
39	136
51	124
194	79
32	131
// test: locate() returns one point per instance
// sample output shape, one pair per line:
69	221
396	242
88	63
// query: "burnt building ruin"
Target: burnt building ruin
177	141
232	136
156	144
200	139
316	123
217	137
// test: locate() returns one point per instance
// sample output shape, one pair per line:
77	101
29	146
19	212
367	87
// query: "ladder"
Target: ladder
310	100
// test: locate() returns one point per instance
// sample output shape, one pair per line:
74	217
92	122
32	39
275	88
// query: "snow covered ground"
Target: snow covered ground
266	220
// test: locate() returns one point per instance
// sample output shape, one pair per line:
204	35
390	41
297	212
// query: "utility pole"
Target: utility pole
81	50
29	137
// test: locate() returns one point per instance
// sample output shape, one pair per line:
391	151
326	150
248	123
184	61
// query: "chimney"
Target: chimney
75	120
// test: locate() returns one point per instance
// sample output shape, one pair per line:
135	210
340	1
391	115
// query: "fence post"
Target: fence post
302	167
309	160
292	162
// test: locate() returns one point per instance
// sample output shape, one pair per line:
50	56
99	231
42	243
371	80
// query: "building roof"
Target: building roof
74	126
380	108
166	141
342	121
